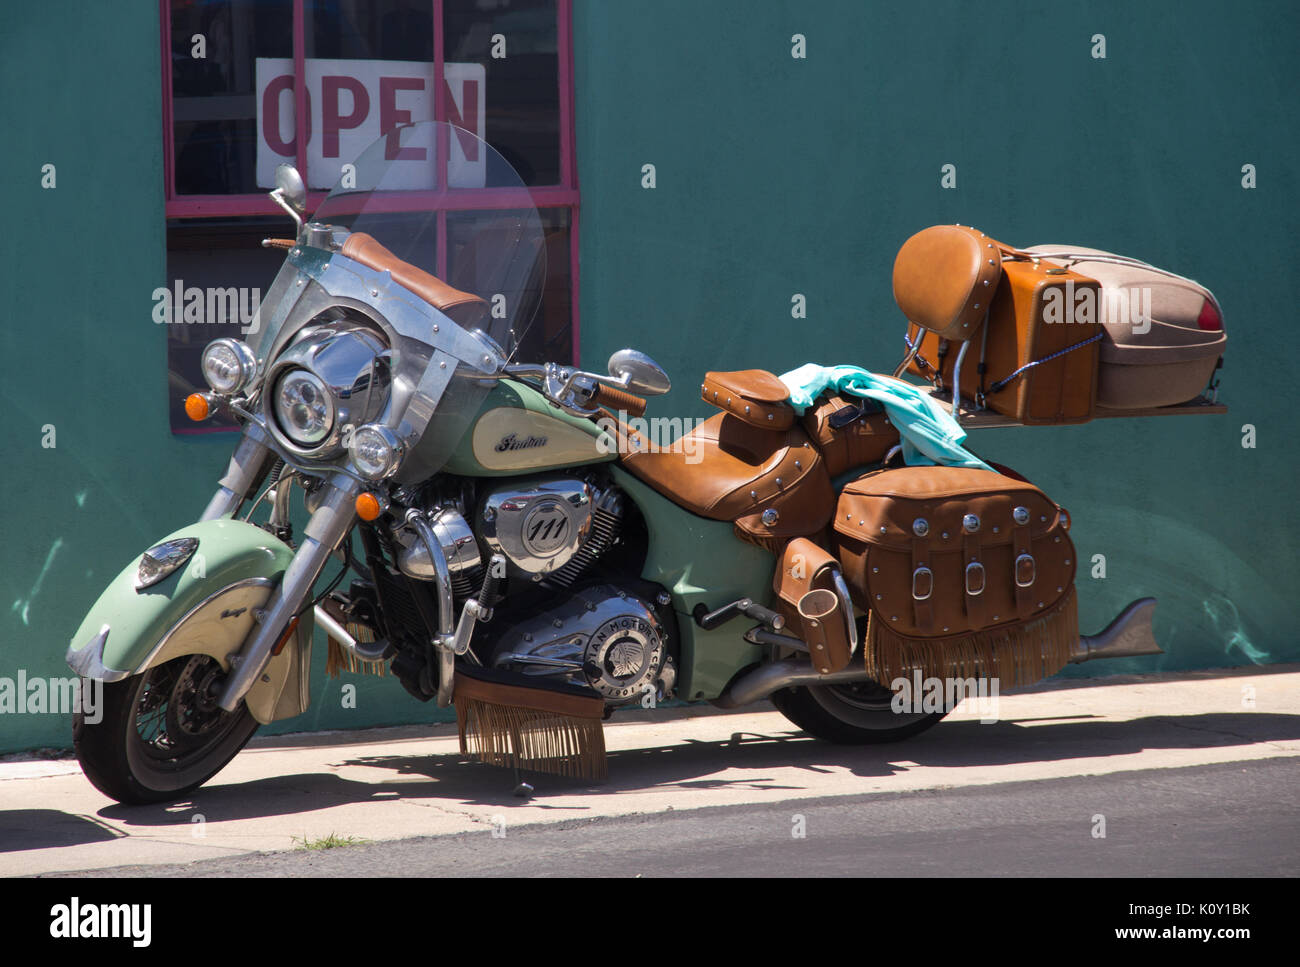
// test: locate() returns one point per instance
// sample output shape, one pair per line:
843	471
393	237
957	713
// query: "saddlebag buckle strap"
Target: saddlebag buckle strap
922	583
1025	570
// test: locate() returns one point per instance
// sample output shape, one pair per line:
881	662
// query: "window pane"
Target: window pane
515	44
214	50
549	337
221	271
370	29
369	69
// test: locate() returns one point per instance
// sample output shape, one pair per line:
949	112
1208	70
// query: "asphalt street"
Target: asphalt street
1222	820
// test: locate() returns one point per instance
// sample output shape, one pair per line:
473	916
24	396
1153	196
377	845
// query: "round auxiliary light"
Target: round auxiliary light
228	365
376	452
303	407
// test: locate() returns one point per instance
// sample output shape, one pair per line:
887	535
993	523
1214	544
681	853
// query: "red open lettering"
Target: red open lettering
390	116
332	121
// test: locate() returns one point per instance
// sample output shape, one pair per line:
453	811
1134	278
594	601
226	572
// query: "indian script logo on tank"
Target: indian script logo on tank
513	442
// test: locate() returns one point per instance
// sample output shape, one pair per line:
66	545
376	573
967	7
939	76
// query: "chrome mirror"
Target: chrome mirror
289	183
290	193
638	373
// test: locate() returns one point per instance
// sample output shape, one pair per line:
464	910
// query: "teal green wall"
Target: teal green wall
79	88
779	176
775	177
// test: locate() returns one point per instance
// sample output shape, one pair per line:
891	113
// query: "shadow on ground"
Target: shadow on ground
751	761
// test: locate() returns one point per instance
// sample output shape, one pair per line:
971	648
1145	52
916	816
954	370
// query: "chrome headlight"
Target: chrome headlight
376	452
304	407
228	365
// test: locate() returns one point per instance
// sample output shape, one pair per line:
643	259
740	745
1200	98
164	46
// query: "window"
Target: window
250	83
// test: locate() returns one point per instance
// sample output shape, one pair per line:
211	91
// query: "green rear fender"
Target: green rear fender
204	608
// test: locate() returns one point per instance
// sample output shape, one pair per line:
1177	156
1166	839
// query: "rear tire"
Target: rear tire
859	713
160	734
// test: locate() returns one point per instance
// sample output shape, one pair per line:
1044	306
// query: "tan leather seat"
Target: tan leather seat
463	308
727	469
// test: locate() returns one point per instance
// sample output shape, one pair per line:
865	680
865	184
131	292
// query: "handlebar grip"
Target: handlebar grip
284	243
616	399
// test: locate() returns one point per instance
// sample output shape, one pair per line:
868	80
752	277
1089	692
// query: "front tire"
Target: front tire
858	713
160	734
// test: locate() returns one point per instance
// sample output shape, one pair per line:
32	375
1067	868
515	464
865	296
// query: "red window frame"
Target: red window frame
563	195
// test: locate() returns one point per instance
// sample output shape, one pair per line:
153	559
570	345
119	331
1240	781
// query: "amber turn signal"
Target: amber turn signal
368	507
197	408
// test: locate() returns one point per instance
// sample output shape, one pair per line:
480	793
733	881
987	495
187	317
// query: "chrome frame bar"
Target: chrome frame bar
956	378
447	639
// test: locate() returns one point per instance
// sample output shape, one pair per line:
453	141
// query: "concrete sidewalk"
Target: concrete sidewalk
384	784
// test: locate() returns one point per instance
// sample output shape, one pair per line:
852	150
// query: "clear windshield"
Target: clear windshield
446	202
407	187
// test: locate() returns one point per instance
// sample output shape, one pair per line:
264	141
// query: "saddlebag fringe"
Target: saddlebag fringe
529	728
1014	654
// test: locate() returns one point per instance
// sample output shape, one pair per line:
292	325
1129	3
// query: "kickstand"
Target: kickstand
524	790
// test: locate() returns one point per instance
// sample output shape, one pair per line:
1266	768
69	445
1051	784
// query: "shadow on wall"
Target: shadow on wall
1197	580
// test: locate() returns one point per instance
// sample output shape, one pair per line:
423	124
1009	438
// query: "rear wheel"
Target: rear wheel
856	713
161	734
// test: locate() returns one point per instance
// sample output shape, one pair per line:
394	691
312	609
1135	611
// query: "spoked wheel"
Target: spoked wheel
855	713
161	734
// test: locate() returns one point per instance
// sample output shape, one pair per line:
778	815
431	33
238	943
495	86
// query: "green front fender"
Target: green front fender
136	626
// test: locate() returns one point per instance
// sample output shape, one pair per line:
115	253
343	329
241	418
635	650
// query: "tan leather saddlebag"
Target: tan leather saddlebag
963	573
805	593
850	432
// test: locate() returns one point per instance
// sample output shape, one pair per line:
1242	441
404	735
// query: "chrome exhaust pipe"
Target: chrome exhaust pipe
1128	636
766	679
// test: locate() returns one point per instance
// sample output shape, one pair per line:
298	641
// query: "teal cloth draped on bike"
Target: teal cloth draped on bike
930	435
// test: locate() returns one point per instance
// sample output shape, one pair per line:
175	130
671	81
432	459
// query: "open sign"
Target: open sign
350	103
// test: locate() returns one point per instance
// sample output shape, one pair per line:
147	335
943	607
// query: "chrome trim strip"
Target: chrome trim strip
88	660
162	642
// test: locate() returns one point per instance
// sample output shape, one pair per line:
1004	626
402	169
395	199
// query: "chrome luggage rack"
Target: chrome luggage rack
969	416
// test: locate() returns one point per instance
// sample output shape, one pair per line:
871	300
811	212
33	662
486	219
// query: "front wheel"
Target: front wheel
160	734
856	713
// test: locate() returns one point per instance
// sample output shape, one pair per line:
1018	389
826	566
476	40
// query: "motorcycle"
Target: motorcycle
515	545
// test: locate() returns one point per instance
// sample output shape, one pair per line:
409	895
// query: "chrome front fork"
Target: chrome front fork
249	465
328	526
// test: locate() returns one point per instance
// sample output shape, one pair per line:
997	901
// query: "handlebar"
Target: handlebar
617	399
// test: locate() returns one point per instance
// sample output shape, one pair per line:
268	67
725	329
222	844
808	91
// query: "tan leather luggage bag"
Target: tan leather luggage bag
1035	357
963	573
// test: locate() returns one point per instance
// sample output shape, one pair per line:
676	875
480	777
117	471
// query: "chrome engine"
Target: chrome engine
552	530
600	636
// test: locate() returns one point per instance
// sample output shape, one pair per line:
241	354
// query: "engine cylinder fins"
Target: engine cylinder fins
538	524
606	523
